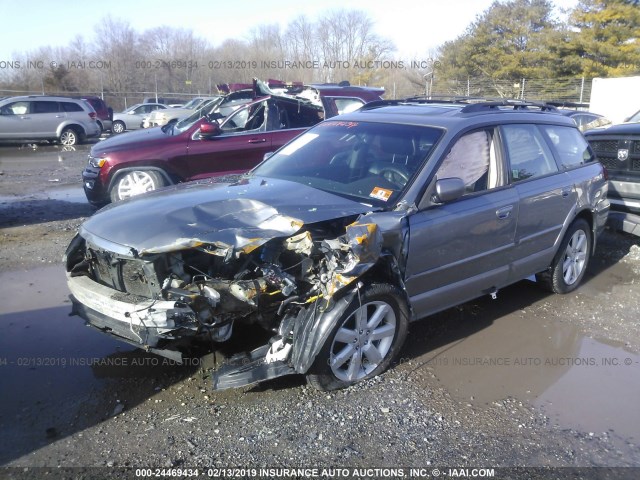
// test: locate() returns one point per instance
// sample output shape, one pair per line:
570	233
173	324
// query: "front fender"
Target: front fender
312	329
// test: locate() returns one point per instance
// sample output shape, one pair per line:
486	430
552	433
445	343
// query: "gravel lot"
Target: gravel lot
440	406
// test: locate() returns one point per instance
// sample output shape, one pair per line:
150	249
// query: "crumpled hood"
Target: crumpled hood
243	215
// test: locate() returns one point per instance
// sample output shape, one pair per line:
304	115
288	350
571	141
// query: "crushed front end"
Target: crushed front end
163	298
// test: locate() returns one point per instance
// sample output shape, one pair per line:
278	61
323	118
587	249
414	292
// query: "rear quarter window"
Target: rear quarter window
571	147
70	107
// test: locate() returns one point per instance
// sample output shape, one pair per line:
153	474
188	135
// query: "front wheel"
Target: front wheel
364	341
570	263
134	183
118	127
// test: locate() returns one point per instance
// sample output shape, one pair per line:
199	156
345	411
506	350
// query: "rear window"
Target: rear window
71	107
97	103
573	150
529	154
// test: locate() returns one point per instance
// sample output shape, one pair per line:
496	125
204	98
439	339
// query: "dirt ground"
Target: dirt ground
526	380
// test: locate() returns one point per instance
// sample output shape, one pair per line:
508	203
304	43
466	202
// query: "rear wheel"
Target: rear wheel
118	127
364	341
134	183
69	137
570	263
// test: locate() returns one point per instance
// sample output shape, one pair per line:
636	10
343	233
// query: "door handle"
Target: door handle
504	212
59	116
257	140
25	118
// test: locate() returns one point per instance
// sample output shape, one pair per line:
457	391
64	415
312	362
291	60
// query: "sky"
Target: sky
416	27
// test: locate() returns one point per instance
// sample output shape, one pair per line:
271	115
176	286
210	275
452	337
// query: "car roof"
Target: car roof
619	129
145	103
448	114
42	97
344	86
570	113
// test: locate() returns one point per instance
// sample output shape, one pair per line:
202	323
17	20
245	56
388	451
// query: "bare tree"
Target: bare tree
116	42
347	39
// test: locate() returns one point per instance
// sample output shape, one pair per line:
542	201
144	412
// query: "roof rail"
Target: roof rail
500	104
414	100
469	104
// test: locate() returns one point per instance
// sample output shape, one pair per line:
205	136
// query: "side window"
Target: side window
246	119
346	105
580	120
283	115
70	107
573	150
44	107
16	108
529	154
473	159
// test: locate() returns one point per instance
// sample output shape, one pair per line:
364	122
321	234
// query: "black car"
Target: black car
618	149
586	120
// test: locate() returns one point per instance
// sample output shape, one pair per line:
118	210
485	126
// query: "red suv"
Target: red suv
205	146
104	113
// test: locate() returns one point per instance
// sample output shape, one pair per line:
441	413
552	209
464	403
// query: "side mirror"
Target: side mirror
448	189
209	130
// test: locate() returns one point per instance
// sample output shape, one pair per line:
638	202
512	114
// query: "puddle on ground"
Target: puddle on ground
57	376
598	392
578	382
65	194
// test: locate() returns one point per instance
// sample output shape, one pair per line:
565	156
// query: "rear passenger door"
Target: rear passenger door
546	197
45	118
462	249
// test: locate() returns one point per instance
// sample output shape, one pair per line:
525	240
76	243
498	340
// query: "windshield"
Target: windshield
192	103
131	108
204	109
367	162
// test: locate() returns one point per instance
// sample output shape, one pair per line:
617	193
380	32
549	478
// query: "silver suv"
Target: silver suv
40	117
362	224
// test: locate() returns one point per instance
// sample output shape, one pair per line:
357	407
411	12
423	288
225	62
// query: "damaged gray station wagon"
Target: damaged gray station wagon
345	235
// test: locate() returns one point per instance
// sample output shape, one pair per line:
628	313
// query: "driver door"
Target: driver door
462	249
241	145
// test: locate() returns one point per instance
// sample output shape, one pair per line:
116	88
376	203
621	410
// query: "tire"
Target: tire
383	314
118	127
570	263
69	137
134	183
101	129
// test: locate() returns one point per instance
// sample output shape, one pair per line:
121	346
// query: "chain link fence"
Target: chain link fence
569	90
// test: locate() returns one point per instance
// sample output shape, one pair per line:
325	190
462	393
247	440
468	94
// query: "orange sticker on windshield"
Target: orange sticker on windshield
381	193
